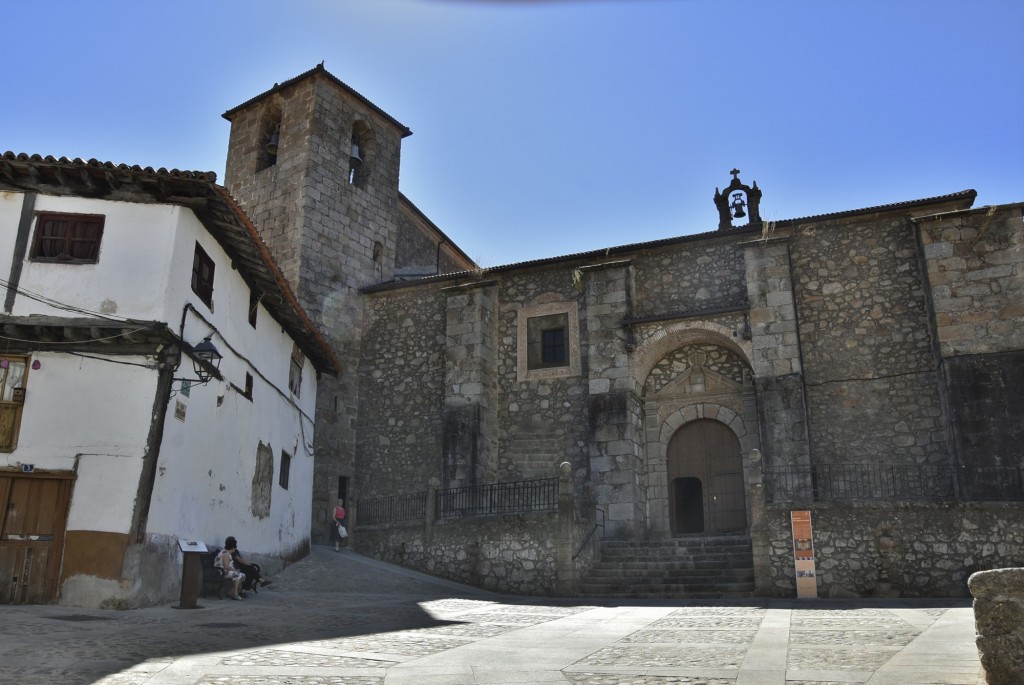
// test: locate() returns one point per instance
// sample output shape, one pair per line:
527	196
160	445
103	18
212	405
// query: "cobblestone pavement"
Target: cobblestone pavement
341	619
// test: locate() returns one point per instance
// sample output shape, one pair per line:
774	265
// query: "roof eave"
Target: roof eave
319	69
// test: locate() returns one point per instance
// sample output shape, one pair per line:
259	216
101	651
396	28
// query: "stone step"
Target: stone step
724	574
692	560
673	551
709	538
686	568
680	591
674	545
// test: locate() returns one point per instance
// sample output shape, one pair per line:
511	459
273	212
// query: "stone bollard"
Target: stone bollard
999	621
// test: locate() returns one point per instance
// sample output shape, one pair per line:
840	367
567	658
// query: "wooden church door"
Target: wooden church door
705	474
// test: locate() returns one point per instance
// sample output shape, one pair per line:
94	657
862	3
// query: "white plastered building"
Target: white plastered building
111	451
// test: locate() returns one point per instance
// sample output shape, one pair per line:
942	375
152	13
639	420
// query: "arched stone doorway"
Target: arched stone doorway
705	474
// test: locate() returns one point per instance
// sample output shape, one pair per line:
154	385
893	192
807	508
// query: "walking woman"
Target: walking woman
338	531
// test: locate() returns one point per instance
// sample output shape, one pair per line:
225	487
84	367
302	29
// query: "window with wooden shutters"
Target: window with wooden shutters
202	276
67	238
13	372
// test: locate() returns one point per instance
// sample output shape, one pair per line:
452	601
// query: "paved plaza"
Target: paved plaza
342	619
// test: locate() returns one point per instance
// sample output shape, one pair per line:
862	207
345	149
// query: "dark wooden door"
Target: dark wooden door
33	515
709	452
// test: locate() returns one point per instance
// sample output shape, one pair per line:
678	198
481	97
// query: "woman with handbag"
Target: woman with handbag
338	532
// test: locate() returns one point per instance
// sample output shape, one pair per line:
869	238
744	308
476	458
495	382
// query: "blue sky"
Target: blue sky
546	128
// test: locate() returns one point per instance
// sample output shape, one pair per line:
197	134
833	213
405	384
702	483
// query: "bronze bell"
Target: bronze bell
737	206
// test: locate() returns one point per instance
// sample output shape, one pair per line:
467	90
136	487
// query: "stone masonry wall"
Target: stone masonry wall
975	262
934	546
690	276
986	398
515	554
860	300
896	420
413	248
402	392
869	365
545	416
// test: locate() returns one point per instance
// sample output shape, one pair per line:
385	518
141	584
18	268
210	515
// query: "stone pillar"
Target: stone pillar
614	411
759	541
999	618
565	568
469	411
778	371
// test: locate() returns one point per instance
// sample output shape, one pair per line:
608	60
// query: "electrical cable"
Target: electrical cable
57	304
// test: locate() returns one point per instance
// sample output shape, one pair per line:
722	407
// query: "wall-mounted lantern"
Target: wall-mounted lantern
205	352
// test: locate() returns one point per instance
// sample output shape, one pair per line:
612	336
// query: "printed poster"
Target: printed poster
803	555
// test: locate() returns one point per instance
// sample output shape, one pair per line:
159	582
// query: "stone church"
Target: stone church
828	404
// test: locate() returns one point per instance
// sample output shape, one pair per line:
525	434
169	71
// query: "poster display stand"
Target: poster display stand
803	555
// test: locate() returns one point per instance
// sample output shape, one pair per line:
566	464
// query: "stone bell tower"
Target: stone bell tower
315	166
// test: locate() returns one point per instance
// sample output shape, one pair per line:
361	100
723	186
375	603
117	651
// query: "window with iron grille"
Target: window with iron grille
202	276
67	238
552	351
546	338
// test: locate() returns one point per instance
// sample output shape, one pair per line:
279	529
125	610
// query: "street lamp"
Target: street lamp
205	355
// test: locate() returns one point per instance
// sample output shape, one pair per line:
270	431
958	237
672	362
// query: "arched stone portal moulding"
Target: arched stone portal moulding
676	335
745	429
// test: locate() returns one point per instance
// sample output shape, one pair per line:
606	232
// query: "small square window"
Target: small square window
254	306
548	341
286	466
202	276
67	238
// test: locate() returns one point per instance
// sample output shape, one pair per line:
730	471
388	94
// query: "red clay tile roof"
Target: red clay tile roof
195	190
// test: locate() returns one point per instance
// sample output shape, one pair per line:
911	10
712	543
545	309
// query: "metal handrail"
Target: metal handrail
514	497
591	533
906	482
408	507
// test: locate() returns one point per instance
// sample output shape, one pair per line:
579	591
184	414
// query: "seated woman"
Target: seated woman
227	564
253	577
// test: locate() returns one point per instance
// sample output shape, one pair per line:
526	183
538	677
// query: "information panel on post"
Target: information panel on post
803	555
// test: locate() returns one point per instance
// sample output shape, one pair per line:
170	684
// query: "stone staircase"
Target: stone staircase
701	567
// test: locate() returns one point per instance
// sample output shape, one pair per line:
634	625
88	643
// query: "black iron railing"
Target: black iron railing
498	498
410	507
830	482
